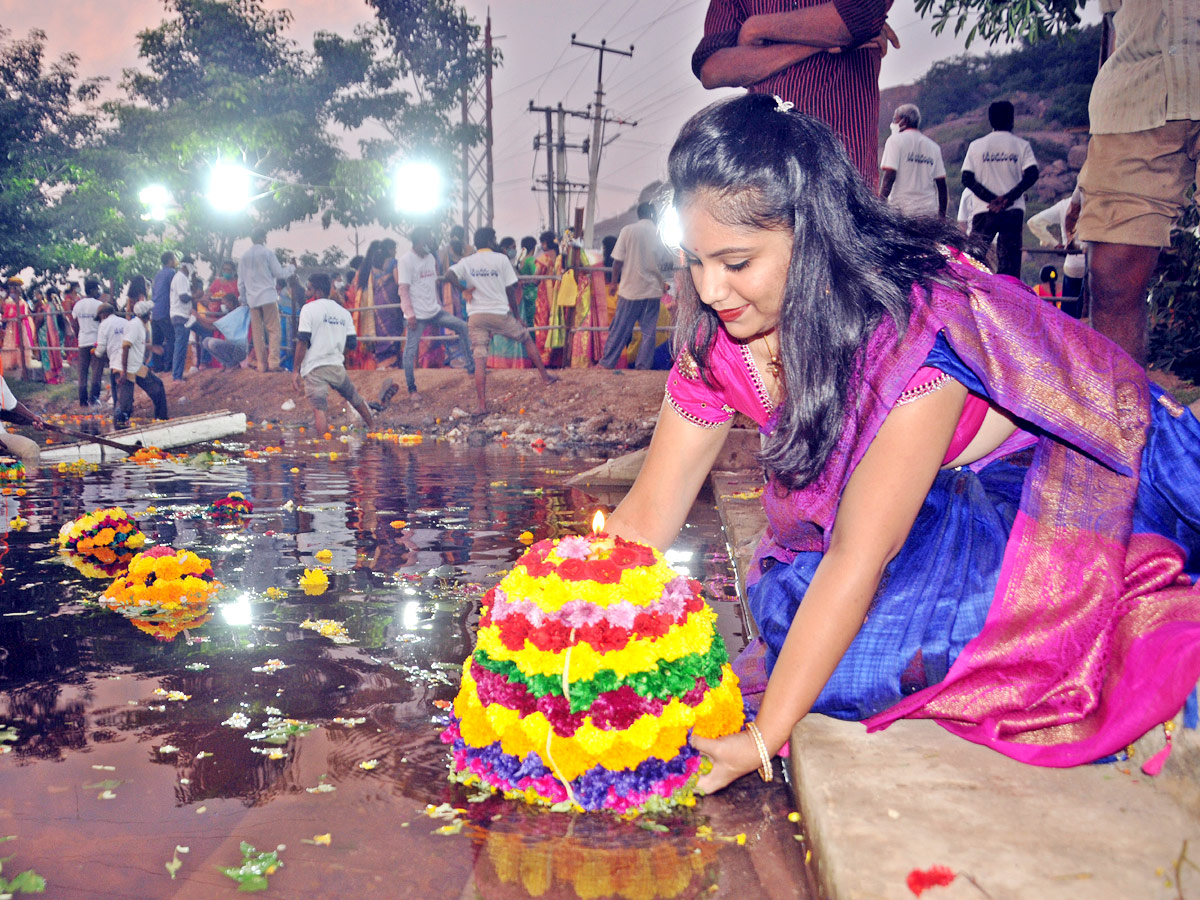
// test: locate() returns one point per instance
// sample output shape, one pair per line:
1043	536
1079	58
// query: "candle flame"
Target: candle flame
598	522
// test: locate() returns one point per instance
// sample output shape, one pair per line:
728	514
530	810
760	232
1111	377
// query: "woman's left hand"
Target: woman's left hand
732	757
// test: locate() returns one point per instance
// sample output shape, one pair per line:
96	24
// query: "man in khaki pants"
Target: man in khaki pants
1143	157
258	270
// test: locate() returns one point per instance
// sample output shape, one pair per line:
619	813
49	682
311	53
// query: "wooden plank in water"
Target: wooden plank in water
164	435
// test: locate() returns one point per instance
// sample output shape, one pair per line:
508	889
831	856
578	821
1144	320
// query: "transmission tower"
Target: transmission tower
478	204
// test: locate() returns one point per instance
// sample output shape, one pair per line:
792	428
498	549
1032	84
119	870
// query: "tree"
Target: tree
47	191
425	54
994	20
221	80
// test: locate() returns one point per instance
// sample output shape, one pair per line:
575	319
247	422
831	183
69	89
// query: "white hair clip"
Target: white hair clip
782	105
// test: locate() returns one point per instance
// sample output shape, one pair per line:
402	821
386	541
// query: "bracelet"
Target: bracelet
766	772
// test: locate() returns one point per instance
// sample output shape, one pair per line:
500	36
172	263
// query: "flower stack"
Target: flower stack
594	662
165	591
11	469
101	544
231	510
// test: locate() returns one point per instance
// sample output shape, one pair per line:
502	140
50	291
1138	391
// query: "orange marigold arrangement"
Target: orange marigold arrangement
100	544
164	592
151	456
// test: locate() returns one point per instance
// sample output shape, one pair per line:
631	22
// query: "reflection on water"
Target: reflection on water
250	727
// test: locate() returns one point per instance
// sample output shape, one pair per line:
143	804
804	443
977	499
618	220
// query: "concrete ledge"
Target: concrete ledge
878	806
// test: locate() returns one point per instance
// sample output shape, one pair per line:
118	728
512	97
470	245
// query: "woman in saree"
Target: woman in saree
18	344
545	265
587	337
979	510
49	343
364	312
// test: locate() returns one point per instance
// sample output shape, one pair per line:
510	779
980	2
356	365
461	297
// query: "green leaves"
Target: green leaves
27	882
1028	20
252	874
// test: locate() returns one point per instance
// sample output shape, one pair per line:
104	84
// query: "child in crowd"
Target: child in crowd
323	335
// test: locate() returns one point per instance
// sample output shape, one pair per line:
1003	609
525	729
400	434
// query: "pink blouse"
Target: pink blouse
739	387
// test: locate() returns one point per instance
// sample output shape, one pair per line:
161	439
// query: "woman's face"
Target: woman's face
739	273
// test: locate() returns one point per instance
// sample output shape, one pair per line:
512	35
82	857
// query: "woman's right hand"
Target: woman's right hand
732	757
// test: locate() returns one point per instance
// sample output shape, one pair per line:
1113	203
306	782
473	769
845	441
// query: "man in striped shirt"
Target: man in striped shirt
821	56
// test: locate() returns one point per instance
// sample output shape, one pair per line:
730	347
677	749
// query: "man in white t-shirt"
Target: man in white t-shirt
638	258
86	313
13	410
489	288
131	367
417	285
104	335
999	168
912	173
181	308
323	335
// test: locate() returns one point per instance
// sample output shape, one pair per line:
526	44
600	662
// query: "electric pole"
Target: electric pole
597	133
556	181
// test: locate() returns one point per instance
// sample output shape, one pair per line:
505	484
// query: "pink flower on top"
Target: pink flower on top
574	547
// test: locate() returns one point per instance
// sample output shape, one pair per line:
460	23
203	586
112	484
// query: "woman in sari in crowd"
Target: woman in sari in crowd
49	341
980	511
545	265
350	293
18	346
587	337
364	311
505	353
389	318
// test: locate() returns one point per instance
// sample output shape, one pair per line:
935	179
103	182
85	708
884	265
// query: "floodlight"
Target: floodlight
229	187
417	188
157	200
670	229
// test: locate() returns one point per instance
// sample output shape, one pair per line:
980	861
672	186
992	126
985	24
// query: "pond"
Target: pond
127	774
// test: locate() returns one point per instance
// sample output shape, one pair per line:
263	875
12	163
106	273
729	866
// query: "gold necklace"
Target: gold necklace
774	366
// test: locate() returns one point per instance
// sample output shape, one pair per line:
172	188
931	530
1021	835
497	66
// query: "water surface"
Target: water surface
106	778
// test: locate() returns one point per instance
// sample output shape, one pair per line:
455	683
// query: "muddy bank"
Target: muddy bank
587	408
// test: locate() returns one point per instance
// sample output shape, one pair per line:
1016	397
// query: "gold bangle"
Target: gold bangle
767	771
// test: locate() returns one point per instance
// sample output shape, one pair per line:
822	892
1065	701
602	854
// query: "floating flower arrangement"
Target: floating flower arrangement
101	544
11	469
165	592
231	510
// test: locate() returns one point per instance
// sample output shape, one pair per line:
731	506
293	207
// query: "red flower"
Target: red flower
624	557
920	880
603	571
573	570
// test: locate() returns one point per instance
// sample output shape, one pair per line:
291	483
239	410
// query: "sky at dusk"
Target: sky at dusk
656	87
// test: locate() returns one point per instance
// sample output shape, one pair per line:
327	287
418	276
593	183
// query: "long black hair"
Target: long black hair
854	261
